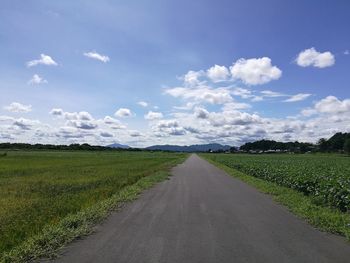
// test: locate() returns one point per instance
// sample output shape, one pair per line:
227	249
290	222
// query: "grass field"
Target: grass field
41	188
324	177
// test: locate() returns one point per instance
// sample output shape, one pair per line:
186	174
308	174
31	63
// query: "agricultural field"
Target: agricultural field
326	178
41	188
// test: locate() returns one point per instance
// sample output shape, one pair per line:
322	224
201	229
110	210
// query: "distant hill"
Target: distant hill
191	148
118	145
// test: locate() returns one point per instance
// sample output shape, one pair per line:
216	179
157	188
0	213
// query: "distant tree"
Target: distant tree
233	149
347	146
322	144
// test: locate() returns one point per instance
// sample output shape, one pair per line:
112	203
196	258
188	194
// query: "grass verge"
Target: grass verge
324	218
54	237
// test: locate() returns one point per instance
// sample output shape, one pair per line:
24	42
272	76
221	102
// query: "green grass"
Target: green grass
49	198
308	207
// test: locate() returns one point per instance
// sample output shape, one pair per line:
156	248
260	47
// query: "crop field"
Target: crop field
326	178
41	188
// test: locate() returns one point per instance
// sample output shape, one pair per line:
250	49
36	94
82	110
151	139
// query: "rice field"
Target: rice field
41	188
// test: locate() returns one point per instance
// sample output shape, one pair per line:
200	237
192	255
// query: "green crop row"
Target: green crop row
324	177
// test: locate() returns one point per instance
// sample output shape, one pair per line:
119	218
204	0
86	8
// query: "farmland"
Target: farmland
42	188
325	178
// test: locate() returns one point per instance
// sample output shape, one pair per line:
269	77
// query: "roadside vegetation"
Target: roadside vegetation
49	198
314	186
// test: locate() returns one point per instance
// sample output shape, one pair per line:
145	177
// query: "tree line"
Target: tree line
339	142
71	147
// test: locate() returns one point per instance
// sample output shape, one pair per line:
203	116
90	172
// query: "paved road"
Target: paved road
203	215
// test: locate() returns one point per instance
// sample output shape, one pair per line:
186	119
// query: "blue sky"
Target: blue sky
282	71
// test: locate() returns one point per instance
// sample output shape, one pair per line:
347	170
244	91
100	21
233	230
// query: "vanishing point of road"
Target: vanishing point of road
203	215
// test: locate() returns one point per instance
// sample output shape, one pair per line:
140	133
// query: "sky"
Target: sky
173	72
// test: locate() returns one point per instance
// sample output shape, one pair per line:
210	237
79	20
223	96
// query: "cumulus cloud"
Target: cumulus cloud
218	73
311	57
113	123
202	94
151	115
82	115
201	113
233	118
332	104
25	124
106	134
85	116
298	97
143	103
169	127
43	60
82	124
96	56
18	107
255	71
191	78
123	113
80	120
68	132
36	79
110	120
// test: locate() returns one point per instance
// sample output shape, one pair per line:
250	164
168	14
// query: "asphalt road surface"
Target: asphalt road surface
203	215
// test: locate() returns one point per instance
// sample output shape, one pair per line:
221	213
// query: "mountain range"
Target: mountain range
118	145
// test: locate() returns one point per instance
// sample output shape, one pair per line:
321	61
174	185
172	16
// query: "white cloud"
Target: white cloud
311	57
255	71
151	115
113	123
191	78
143	103
169	127
110	120
333	105
97	56
201	113
272	94
235	106
25	124
346	52
218	73
106	134
308	112
246	94
242	92
298	97
44	60
80	120
123	112
85	116
202	94
82	115
18	107
36	79
134	133
57	112
233	118
82	124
